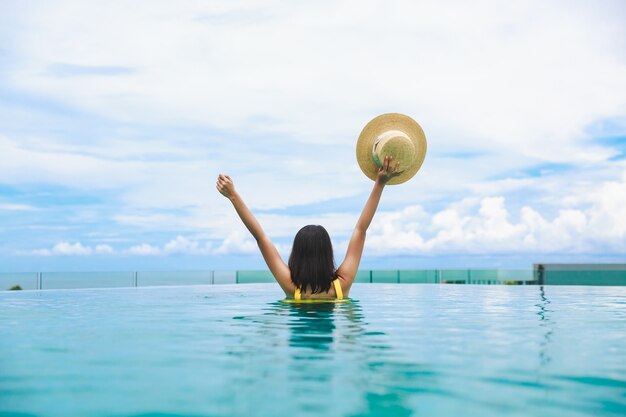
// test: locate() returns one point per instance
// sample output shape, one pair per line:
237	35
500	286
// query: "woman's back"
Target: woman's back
339	289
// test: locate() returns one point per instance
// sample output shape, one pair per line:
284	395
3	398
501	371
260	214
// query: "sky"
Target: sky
116	118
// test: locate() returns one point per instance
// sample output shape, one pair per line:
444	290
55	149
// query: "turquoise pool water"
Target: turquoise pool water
233	350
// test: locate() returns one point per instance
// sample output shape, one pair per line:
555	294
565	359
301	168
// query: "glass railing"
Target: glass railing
544	274
580	274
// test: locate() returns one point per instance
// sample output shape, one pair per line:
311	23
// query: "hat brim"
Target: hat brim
384	123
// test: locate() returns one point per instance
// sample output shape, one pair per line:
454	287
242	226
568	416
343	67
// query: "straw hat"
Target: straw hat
391	134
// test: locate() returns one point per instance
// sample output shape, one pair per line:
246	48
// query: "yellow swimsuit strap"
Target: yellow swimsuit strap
297	295
338	289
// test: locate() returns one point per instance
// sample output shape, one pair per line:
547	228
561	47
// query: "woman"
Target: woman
310	273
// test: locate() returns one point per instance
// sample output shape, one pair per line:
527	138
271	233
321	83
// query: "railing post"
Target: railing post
39	274
213	277
135	278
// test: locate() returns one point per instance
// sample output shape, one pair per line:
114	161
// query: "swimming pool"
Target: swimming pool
397	350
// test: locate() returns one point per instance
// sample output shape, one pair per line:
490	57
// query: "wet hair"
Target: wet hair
311	262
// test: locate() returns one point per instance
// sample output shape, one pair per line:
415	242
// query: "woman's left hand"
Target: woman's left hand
225	186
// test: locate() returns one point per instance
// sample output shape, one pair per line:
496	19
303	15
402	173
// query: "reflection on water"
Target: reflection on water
546	324
331	341
312	325
322	326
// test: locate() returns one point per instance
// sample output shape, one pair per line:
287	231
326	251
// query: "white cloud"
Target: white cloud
144	249
67	168
145	185
71	249
187	246
498	77
491	83
181	245
237	242
485	227
88	172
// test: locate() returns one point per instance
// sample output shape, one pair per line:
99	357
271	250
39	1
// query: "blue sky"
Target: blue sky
116	117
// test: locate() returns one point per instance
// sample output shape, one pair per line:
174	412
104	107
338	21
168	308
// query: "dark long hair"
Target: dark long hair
311	262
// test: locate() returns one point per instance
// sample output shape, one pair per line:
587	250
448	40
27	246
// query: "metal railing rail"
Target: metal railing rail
552	276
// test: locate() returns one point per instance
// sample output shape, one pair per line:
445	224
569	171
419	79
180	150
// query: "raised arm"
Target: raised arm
272	258
350	265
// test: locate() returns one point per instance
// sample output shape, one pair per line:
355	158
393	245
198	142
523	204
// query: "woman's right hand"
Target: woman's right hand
388	170
225	186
